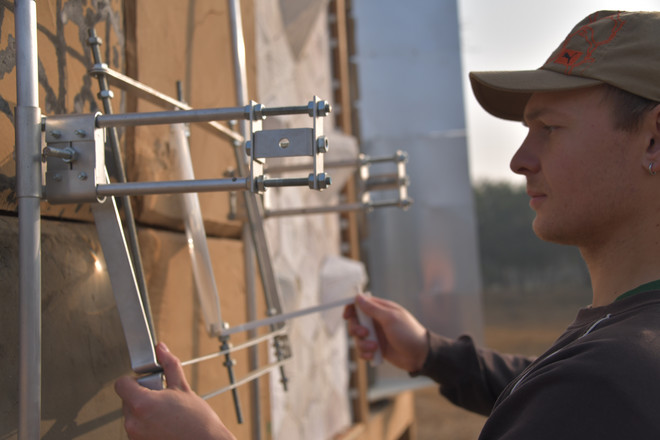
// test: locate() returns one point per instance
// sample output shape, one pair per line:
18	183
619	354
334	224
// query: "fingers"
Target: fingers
172	368
128	389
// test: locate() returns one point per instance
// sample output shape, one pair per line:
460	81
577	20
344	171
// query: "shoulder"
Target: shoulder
601	385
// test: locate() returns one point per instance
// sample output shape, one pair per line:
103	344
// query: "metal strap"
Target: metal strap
125	289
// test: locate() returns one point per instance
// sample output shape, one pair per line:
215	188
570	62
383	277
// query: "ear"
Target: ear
650	133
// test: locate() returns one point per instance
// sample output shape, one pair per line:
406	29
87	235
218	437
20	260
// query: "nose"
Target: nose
525	161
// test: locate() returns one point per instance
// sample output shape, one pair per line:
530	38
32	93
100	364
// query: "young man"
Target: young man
590	158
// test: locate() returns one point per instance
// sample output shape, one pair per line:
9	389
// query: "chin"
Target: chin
560	233
551	232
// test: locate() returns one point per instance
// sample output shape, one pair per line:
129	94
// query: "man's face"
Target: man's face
580	170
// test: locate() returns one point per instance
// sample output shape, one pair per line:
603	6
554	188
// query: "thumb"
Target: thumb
370	307
172	368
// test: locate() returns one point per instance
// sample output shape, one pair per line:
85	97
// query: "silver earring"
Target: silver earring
651	172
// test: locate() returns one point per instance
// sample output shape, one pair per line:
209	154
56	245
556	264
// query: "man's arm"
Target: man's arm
469	376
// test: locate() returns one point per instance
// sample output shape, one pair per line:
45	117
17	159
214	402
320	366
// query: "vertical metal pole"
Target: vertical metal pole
28	192
248	246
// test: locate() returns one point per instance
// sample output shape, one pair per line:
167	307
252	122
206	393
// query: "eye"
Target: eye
549	128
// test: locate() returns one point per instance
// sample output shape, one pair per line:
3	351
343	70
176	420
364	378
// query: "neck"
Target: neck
621	265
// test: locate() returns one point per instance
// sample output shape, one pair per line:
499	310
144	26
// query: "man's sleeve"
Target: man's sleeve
470	377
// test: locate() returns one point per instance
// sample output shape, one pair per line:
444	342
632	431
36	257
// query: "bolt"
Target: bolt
324	181
323	108
322	144
103	94
80	133
82	175
259	111
57	177
260	185
56	134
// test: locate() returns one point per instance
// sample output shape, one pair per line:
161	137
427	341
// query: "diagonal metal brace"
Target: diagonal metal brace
138	336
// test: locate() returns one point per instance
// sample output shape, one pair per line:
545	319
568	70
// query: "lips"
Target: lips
536	198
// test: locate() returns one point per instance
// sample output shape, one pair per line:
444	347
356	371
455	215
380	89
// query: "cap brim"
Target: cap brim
505	94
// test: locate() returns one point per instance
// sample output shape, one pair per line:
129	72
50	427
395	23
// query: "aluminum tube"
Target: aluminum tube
171	187
240	75
172	117
283	317
195	115
28	192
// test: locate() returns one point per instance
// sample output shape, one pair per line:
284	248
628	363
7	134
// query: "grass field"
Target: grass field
525	323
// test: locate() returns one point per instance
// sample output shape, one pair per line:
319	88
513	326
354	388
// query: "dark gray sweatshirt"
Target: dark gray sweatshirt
600	379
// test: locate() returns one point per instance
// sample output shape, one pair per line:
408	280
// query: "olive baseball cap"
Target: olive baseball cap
613	47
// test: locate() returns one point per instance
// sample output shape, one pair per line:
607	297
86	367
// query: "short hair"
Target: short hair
628	108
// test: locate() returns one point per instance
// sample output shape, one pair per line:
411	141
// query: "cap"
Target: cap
613	47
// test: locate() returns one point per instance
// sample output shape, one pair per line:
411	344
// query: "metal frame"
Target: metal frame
76	173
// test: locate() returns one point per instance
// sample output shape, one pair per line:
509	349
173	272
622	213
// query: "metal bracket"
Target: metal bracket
291	142
74	156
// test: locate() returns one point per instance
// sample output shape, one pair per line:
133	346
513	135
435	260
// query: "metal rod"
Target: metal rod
28	192
249	378
171	187
383	181
249	343
289	110
399	156
129	216
347	163
282	317
347	207
278	183
155	97
229	364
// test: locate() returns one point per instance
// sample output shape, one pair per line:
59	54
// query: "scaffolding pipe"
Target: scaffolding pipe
28	193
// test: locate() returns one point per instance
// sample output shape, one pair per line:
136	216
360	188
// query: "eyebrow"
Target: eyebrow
536	114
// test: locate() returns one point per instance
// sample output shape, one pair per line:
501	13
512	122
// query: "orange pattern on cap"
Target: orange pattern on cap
572	58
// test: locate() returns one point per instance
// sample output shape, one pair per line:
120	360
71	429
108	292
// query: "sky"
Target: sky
494	39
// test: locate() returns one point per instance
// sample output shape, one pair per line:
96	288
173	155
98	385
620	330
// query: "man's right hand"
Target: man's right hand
402	339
